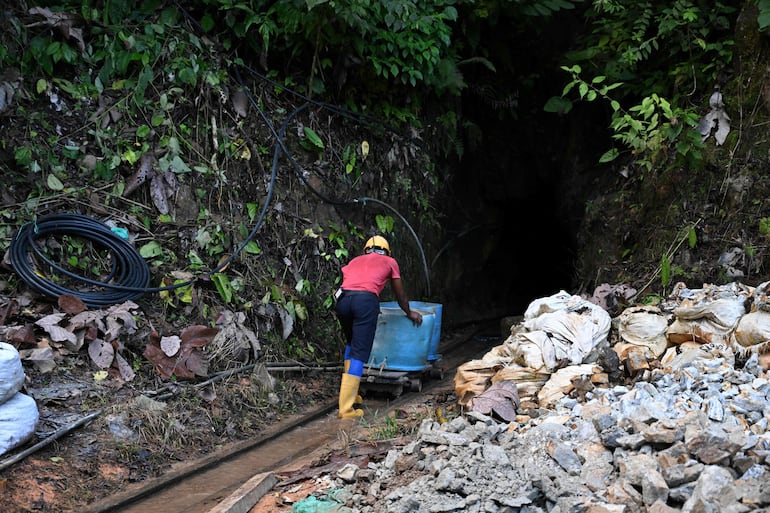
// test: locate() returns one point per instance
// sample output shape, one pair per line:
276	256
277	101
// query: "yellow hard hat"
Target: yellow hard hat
377	242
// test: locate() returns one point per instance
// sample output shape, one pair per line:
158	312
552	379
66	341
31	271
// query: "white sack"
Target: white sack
18	418
573	325
556	330
535	350
753	329
708	315
11	372
554	303
645	326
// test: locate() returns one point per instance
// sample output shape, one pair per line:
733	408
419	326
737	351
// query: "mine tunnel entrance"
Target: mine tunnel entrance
515	208
509	242
519	186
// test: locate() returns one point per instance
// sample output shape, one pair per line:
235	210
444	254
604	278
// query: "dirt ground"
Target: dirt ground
124	443
142	429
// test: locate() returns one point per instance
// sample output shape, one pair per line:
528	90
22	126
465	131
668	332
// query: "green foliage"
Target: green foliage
763	19
648	130
311	141
385	224
657	46
692	237
650	54
764	225
665	270
406	42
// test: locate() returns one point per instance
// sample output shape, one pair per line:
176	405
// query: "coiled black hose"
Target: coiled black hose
128	277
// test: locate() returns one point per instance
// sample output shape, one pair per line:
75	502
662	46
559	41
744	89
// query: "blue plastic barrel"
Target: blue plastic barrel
399	345
435	309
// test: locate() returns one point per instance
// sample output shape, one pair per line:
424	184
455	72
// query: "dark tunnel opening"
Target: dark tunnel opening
510	242
519	188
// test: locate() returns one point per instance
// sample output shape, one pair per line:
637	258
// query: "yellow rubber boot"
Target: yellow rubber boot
359	399
348	391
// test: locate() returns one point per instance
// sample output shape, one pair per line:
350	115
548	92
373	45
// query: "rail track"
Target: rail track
198	487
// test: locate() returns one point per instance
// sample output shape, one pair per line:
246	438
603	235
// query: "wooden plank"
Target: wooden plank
246	496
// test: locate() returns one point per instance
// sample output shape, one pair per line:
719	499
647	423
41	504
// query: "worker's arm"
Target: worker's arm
403	301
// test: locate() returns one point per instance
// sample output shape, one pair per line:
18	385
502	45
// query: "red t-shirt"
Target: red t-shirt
369	272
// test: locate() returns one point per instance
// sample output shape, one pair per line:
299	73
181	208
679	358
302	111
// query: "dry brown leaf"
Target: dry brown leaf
189	361
22	336
197	331
126	372
71	304
57	333
197	363
142	174
102	353
501	399
43	358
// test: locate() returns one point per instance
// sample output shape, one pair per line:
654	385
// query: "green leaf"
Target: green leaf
54	183
692	237
143	131
763	20
313	137
558	105
300	311
150	250
207	23
609	156
252	210
252	248
384	223
665	270
224	287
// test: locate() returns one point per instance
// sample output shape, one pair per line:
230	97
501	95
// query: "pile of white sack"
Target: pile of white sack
18	411
565	337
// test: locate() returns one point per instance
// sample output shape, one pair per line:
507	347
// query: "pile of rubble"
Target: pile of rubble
688	432
692	439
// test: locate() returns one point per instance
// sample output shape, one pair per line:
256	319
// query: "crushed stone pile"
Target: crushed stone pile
693	438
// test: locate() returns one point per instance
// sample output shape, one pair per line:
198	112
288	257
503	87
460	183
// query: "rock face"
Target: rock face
693	438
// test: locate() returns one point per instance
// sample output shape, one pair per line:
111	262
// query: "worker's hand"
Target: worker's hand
416	317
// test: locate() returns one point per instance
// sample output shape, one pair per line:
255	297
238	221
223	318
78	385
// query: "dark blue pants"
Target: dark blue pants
358	317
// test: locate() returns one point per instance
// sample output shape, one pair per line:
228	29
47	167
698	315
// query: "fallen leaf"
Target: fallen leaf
126	371
42	358
71	304
170	345
102	353
142	174
501	399
22	336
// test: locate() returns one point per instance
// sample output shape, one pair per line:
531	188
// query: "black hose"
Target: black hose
128	277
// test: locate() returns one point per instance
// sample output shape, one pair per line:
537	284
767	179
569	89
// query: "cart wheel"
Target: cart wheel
415	385
436	373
